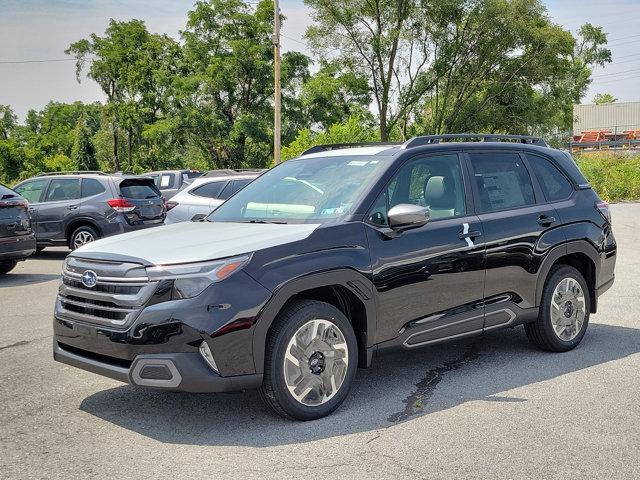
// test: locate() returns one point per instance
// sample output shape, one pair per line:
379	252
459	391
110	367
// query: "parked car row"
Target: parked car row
75	208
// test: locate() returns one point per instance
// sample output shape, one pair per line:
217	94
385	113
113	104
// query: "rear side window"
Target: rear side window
32	191
209	190
138	189
502	181
91	187
63	189
167	181
554	184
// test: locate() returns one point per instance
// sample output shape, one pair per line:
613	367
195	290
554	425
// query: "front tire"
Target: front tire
83	235
7	266
310	360
564	311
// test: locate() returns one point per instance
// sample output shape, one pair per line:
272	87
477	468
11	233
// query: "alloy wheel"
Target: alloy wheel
82	238
568	309
316	362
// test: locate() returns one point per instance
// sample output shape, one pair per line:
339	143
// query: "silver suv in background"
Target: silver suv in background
74	208
204	195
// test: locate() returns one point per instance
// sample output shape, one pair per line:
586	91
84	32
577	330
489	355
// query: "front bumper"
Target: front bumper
186	372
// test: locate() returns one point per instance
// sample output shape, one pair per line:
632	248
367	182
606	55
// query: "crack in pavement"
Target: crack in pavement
23	342
425	387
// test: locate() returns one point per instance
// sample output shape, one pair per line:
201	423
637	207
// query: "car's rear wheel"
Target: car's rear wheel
564	311
7	265
311	360
82	235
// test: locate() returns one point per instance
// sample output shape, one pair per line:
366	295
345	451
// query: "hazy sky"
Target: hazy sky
43	29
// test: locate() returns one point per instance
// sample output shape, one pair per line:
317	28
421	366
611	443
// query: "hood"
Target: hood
193	242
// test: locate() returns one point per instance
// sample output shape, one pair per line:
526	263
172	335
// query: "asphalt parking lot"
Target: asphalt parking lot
487	408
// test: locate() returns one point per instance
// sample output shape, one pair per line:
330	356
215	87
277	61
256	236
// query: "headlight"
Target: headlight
190	279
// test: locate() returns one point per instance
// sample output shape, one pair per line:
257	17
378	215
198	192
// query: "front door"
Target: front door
429	280
515	217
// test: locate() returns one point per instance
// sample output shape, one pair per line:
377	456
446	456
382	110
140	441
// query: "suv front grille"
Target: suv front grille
121	291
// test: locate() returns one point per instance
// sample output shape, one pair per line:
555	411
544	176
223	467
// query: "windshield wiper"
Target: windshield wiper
277	222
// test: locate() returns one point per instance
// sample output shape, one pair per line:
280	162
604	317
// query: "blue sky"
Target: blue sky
42	29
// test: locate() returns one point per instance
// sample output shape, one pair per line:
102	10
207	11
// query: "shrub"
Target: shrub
615	176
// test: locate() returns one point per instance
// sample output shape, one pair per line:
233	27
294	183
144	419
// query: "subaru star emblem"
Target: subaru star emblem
89	279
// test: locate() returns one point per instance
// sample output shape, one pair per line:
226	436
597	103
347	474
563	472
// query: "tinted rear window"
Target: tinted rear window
209	190
4	191
138	188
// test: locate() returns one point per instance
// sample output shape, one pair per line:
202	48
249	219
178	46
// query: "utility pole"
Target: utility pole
277	124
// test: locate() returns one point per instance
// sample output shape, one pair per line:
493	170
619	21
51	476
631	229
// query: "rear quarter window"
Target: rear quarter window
138	189
91	187
554	184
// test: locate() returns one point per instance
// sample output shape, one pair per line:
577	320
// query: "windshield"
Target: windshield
310	190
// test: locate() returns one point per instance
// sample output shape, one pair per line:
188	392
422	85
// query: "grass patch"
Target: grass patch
615	176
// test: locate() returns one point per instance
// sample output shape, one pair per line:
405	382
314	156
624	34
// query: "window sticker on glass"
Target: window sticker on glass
164	180
357	163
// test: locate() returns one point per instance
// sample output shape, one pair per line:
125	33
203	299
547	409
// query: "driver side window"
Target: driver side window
434	182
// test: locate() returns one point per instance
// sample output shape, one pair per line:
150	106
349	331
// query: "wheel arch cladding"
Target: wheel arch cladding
347	290
579	254
81	222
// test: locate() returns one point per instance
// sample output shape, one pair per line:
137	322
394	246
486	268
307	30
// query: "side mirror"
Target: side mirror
199	217
405	216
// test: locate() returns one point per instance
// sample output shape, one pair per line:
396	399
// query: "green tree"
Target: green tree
8	121
223	95
604	98
354	130
83	152
386	41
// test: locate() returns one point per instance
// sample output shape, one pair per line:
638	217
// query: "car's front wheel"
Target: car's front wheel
564	311
7	265
82	235
311	360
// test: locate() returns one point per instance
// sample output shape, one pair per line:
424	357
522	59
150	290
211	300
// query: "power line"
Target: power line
13	62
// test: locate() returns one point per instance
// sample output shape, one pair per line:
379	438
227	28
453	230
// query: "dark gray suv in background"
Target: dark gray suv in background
74	208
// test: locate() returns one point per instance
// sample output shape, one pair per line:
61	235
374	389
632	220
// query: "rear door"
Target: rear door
147	204
515	218
60	204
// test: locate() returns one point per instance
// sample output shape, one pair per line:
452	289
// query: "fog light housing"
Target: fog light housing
205	351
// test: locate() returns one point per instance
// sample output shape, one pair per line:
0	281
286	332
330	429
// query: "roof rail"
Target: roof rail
71	172
481	137
336	146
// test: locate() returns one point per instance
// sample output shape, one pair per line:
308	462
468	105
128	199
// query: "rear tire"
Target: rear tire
563	317
311	359
7	266
83	235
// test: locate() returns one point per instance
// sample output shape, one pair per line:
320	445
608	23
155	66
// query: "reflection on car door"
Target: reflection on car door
514	217
430	279
61	201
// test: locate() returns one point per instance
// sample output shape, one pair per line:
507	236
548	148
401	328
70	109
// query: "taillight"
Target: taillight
14	203
121	205
603	208
170	204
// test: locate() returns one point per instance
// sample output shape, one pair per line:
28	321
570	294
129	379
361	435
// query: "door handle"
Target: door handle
545	220
32	210
72	207
472	234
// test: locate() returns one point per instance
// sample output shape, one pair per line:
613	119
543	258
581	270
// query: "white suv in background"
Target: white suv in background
204	194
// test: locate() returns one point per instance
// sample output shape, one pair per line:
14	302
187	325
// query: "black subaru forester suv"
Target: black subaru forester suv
303	275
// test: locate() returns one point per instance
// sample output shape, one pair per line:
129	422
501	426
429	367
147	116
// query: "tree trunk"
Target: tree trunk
116	159
129	140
